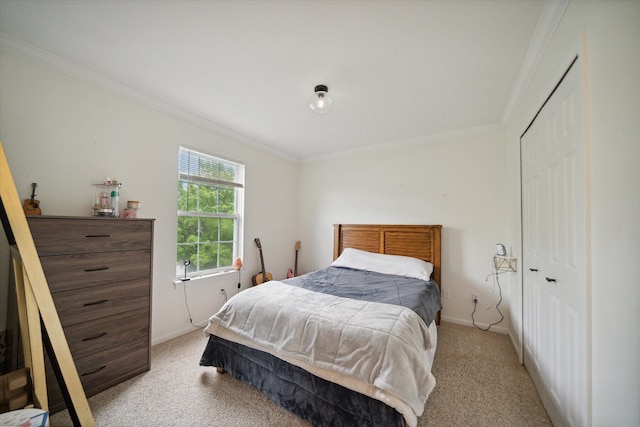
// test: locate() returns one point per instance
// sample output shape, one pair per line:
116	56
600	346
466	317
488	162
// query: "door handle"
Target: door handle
549	279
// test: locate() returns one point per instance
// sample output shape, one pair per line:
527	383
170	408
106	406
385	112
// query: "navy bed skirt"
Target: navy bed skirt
320	402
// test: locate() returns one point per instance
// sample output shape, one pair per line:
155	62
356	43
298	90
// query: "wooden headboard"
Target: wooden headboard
417	241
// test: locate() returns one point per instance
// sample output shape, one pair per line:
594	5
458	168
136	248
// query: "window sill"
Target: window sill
205	276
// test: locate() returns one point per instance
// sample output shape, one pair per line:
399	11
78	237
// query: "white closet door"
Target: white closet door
554	253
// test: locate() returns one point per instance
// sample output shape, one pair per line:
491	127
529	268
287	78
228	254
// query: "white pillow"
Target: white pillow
386	264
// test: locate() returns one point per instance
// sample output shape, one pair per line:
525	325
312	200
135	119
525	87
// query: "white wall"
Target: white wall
458	183
612	32
65	135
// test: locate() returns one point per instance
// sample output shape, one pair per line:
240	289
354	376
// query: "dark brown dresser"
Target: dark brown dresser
99	271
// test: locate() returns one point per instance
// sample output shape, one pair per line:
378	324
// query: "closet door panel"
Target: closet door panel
554	253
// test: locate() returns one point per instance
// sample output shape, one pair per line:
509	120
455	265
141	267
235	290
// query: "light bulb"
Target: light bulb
321	103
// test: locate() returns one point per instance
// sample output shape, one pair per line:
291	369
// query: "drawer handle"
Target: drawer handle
94	338
94	371
549	279
88	270
102	301
533	269
93	236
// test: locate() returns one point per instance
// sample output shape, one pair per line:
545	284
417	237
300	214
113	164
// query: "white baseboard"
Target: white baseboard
173	335
495	328
516	347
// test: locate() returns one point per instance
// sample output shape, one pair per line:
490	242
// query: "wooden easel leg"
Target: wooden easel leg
38	375
22	312
31	335
63	386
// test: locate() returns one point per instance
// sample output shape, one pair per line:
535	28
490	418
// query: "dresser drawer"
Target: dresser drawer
89	304
56	236
105	368
92	337
66	272
102	370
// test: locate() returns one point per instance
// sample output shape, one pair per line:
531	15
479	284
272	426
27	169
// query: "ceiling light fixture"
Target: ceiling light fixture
321	103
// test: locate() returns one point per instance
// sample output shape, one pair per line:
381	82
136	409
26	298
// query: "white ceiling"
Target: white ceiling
396	70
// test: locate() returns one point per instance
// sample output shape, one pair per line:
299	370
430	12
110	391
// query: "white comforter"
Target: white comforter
379	350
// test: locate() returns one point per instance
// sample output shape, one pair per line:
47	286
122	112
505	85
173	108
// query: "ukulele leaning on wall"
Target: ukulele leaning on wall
32	206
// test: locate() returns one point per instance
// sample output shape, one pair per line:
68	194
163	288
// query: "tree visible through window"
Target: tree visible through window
209	212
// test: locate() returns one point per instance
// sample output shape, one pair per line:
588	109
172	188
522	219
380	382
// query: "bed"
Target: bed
349	344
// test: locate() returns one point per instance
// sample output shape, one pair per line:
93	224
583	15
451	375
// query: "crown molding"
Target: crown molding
547	24
425	139
39	56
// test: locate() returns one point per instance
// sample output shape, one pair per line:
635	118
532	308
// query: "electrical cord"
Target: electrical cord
186	304
475	303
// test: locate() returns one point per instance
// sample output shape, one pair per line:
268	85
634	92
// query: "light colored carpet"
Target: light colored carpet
479	383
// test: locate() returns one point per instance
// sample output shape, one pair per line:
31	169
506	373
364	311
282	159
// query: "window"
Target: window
210	199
